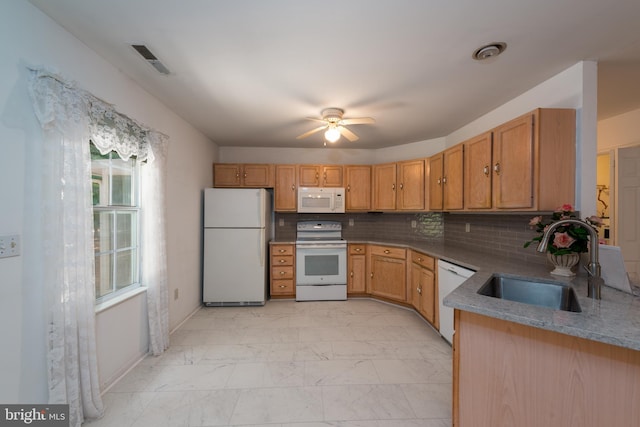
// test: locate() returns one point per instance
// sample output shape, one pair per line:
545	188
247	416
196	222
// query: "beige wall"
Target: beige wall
619	131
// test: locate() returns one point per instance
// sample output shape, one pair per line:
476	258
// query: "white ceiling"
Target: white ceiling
248	72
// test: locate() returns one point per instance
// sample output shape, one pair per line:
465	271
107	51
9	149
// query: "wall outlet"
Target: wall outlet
414	224
281	222
9	246
176	293
467	227
351	222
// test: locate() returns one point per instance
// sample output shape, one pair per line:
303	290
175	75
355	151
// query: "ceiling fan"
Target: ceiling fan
334	125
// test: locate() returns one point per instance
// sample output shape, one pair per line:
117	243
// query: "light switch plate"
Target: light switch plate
9	245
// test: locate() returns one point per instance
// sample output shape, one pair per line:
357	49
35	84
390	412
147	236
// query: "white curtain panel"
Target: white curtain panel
67	261
70	117
154	252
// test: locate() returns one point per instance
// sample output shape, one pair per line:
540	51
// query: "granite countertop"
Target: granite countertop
614	319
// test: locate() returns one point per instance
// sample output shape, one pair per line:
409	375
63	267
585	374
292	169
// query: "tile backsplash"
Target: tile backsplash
501	234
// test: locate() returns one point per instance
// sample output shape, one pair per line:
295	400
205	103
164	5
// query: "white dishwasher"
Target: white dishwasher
450	276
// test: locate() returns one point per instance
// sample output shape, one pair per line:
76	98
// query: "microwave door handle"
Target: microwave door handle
332	200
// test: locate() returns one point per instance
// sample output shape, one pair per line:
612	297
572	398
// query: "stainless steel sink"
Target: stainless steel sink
555	295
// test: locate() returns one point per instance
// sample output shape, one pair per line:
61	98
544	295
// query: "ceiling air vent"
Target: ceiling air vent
151	58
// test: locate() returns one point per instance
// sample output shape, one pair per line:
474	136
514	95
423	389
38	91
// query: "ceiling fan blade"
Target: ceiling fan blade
348	134
358	121
316	120
312	131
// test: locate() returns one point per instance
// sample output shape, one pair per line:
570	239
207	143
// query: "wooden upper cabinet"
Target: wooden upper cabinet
286	191
384	186
452	179
309	175
227	175
257	175
320	175
253	175
358	187
513	151
446	183
435	174
332	176
534	161
478	172
410	182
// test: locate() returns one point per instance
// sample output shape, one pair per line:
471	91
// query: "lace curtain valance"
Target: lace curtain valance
108	129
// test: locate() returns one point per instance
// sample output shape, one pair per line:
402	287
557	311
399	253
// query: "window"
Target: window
116	215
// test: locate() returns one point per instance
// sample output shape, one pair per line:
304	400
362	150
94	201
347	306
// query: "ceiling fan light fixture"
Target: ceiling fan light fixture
332	134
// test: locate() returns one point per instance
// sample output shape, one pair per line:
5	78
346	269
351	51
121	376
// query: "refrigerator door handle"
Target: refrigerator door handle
263	209
262	248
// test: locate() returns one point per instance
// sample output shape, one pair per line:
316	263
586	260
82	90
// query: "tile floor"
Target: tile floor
351	363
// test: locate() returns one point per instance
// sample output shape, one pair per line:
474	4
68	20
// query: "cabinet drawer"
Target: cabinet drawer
282	272
390	252
424	260
282	249
281	260
357	249
282	287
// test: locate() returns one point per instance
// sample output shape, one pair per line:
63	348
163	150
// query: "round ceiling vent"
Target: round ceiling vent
489	51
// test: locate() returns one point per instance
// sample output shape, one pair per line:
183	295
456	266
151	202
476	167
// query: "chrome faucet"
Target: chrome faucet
595	281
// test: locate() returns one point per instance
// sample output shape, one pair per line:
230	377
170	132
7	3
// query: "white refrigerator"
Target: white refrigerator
237	228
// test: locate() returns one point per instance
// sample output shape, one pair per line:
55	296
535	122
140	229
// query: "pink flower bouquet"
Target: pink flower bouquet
568	238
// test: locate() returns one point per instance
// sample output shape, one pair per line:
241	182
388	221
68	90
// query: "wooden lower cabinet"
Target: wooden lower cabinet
507	374
282	265
423	286
357	269
387	272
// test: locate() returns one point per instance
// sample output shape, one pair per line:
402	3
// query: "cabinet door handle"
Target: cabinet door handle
348	188
393	187
245	174
237	174
282	250
282	261
420	259
282	286
485	170
372	274
419	289
402	186
358	249
444	179
496	168
387	251
282	273
439	181
351	274
293	188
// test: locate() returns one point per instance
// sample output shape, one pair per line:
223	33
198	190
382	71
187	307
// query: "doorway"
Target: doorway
618	203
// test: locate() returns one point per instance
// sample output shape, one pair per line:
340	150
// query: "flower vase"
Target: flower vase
563	263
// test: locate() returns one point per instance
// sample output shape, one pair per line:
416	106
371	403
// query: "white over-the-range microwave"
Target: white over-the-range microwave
321	200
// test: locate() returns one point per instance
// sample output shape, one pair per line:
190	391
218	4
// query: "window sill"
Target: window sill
119	299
